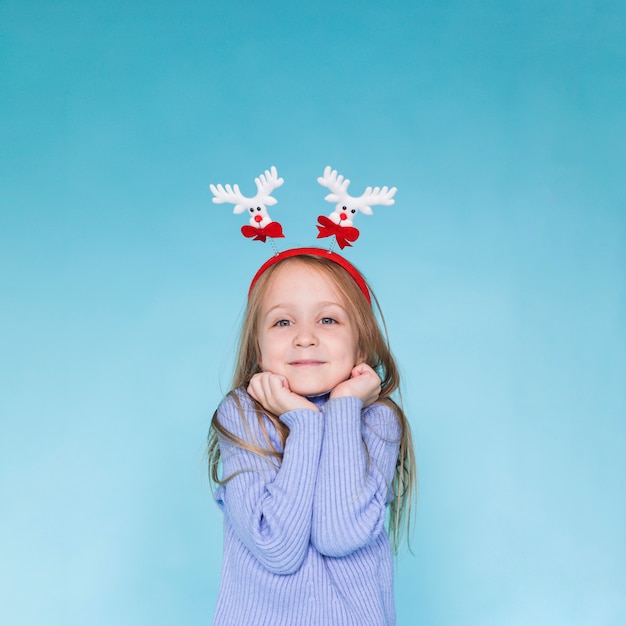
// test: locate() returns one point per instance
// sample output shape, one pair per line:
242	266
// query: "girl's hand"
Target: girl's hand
364	383
273	393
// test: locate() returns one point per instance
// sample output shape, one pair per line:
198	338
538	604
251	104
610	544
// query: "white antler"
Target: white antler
335	183
265	184
347	205
231	195
376	196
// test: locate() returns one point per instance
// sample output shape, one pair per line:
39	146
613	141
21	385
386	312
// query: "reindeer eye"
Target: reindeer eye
344	207
353	211
251	209
258	208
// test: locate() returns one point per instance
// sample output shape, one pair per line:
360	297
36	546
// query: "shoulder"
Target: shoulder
238	416
382	419
236	410
237	400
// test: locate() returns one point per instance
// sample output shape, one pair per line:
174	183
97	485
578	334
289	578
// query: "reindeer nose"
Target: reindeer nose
343	216
258	218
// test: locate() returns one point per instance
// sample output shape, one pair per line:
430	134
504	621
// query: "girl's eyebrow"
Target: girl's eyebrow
331	303
280	305
283	305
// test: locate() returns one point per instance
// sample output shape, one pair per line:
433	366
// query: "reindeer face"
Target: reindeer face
344	213
346	206
255	205
259	217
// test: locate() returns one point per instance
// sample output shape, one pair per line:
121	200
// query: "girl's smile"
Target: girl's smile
305	332
306	363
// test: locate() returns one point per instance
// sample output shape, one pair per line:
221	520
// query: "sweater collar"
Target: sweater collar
320	399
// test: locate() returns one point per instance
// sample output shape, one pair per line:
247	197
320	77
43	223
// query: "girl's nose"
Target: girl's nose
305	337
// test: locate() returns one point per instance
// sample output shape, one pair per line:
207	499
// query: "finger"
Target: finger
362	369
356	371
255	388
259	387
266	385
253	391
253	384
277	385
273	385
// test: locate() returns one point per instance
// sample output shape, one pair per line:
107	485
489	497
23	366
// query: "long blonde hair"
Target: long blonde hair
372	343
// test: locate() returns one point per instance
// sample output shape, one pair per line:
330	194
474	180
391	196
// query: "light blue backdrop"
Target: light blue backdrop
501	272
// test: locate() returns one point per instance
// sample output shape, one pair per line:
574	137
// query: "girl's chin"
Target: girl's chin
309	391
310	388
305	382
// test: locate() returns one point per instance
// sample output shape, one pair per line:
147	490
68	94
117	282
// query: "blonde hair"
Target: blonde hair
372	344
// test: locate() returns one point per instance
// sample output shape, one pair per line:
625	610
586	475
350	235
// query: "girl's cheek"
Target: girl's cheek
360	357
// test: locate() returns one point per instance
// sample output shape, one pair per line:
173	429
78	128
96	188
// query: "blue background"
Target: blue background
501	271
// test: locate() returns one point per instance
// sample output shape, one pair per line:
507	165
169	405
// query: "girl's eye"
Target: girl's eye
327	320
283	323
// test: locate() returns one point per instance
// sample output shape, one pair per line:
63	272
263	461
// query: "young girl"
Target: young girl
309	452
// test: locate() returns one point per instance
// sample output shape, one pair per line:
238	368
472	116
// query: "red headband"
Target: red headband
319	252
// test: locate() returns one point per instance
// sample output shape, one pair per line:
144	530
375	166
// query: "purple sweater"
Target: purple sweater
304	540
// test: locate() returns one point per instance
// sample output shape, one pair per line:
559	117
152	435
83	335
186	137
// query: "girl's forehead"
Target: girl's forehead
295	279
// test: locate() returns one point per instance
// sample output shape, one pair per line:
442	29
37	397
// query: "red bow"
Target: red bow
273	229
343	234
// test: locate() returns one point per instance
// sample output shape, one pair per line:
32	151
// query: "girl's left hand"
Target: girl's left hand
364	383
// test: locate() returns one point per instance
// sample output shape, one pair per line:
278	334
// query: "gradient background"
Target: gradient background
501	271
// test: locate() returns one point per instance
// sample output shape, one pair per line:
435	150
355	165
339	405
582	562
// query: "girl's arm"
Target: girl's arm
270	506
356	469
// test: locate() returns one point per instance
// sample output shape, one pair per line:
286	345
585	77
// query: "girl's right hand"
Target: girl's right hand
272	392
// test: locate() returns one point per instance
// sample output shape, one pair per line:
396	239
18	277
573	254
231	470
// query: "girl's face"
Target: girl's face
305	332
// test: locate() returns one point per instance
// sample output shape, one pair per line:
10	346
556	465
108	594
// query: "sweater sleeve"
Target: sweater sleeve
269	505
356	468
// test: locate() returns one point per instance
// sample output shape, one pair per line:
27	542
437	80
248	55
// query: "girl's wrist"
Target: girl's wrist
344	394
306	405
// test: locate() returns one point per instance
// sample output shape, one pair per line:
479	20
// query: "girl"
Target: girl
312	451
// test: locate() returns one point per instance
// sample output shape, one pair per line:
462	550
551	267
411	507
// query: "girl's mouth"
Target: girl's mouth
305	362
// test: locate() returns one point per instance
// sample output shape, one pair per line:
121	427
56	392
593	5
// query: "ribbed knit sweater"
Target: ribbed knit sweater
304	540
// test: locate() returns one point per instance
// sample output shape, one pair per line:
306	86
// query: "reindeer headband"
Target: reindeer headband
337	224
